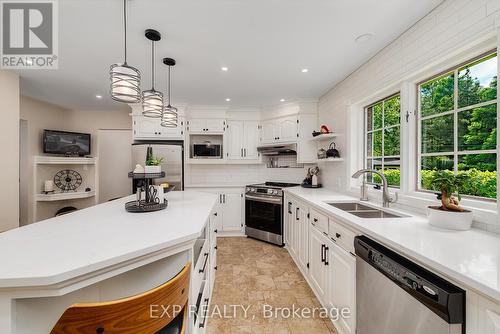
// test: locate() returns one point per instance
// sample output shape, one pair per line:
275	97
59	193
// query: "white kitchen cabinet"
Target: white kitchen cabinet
232	212
318	273
147	128
268	134
280	130
341	289
488	317
287	223
242	140
287	129
302	236
200	125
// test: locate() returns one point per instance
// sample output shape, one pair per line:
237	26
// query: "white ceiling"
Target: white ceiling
265	44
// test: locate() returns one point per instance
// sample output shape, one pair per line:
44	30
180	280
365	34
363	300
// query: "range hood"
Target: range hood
276	149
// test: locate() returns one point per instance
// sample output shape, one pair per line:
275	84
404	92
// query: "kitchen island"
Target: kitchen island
101	253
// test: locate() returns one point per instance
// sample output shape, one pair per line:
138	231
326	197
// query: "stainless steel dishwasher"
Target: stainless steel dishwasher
396	296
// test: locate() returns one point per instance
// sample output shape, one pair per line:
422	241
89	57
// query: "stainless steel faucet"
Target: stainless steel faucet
386	198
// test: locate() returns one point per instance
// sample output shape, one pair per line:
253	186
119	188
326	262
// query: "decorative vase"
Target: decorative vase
152	169
451	220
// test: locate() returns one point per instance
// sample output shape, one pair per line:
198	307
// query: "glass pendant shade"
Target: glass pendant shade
125	80
152	103
125	83
152	100
169	119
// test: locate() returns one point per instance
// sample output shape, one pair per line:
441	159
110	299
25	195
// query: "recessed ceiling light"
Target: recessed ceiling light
305	70
98	97
282	100
363	38
228	100
225	69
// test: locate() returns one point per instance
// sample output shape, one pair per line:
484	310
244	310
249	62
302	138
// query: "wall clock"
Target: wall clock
68	180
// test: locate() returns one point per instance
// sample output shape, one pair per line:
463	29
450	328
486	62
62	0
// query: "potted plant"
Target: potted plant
153	164
450	214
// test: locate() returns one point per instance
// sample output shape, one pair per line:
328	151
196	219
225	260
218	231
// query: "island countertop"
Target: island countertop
65	247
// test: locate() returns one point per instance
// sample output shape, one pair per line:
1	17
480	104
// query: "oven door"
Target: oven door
264	214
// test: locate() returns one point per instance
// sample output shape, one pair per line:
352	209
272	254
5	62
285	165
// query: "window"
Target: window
457	125
382	139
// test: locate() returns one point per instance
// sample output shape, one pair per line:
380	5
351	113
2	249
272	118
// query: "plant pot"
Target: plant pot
451	220
152	169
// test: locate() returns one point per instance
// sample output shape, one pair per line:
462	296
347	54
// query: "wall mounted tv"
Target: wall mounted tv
66	143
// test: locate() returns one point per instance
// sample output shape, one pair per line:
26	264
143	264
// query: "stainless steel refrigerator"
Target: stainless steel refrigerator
173	164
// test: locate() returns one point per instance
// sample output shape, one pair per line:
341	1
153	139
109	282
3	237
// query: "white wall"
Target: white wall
9	137
453	27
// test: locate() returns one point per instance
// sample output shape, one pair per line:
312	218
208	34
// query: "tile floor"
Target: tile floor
253	274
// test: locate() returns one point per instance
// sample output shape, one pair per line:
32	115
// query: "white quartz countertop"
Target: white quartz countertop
471	258
61	248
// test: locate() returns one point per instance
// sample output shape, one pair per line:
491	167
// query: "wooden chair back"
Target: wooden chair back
130	315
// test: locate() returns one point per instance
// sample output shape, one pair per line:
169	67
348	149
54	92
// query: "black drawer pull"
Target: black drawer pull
338	235
315	220
323	253
204	264
205	315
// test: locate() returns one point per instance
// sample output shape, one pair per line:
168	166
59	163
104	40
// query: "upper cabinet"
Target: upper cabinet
242	138
147	128
199	125
280	130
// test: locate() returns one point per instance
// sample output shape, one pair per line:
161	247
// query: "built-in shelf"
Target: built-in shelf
325	136
63	196
49	160
331	160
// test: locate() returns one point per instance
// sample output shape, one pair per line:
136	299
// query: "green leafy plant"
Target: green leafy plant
449	185
154	161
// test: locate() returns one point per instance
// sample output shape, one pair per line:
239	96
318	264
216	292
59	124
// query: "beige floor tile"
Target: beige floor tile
254	274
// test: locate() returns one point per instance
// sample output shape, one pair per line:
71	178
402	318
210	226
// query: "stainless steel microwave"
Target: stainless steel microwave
207	151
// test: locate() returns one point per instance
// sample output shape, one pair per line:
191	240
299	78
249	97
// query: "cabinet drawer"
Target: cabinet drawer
202	308
320	221
201	267
343	236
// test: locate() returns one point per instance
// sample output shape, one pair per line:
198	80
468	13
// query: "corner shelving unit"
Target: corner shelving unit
45	167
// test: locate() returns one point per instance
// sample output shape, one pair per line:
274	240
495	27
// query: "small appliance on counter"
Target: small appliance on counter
311	180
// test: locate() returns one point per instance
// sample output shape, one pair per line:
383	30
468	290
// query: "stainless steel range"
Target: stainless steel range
264	211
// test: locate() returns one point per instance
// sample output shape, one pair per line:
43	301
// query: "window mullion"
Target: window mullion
383	134
455	123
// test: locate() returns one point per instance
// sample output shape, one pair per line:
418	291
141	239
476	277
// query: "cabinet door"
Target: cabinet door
342	284
196	125
177	132
303	238
234	141
488	317
317	268
251	140
287	222
214	125
268	133
146	127
287	129
232	217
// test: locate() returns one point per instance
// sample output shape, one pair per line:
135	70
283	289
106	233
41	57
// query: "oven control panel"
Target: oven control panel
264	191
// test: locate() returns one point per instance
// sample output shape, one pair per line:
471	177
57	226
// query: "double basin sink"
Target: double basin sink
364	211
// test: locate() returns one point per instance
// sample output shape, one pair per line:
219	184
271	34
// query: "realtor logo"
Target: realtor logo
29	34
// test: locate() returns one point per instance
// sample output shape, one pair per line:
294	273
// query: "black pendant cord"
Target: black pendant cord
169	85
152	65
125	27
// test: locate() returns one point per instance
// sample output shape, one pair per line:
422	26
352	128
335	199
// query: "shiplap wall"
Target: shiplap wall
447	29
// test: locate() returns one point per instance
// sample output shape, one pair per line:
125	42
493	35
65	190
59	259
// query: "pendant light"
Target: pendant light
152	100
125	80
169	118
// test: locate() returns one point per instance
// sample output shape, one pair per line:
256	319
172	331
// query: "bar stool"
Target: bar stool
133	315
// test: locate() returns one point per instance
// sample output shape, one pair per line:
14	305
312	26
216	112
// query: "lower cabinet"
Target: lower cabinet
302	239
318	271
232	212
341	290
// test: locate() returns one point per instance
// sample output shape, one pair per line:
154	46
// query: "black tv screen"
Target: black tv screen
66	143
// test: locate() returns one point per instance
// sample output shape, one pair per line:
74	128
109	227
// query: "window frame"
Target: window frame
366	132
456	153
